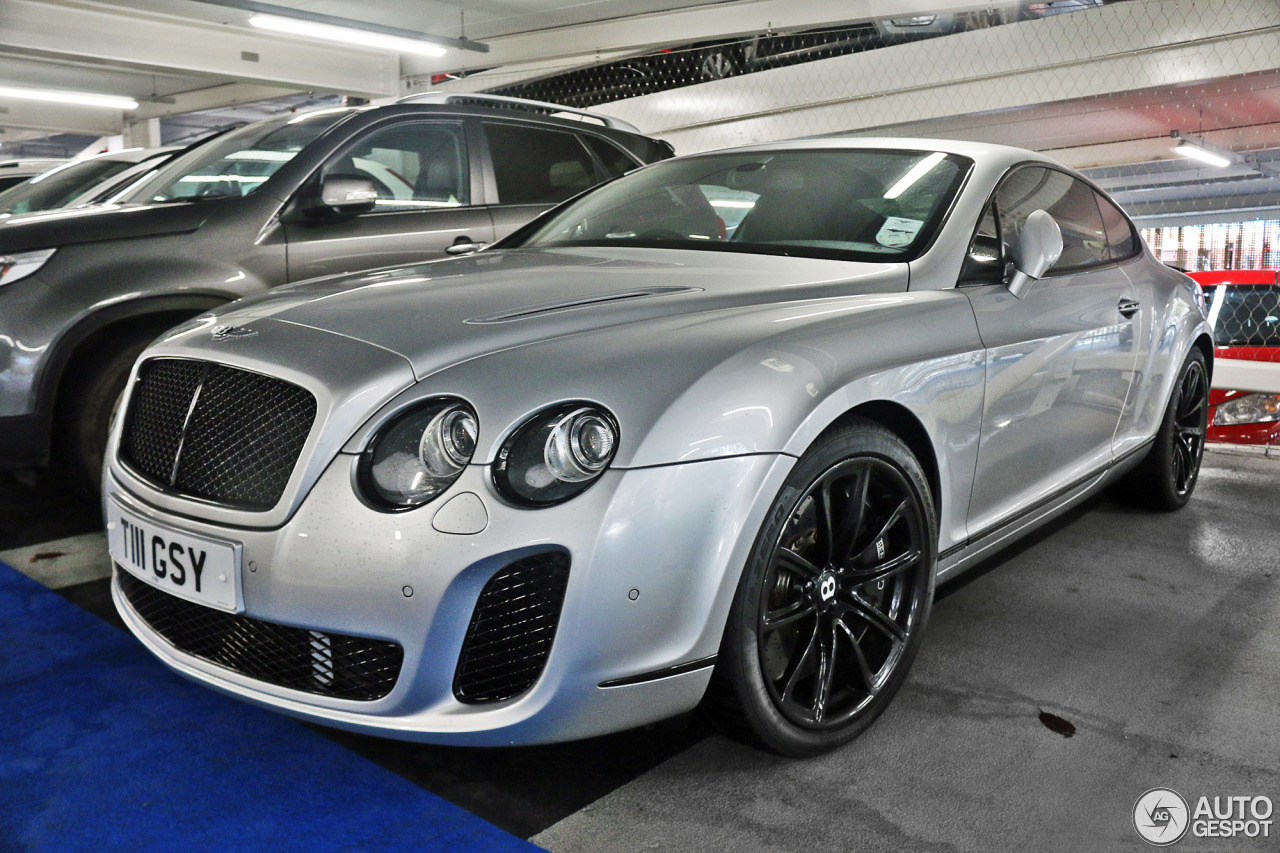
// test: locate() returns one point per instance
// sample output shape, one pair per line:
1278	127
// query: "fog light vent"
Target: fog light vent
512	629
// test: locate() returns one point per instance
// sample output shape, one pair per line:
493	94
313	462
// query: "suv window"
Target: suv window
537	166
232	165
610	156
413	165
1071	202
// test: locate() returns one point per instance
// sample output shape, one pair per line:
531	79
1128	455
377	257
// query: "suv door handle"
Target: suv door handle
464	246
1128	307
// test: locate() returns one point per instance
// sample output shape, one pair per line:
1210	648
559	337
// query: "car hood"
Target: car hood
440	314
56	228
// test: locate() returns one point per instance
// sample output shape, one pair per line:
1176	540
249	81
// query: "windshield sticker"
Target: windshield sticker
898	232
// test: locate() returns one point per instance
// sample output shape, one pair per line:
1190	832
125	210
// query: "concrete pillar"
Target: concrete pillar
142	134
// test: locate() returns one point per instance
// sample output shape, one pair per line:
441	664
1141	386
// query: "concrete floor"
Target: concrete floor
1156	636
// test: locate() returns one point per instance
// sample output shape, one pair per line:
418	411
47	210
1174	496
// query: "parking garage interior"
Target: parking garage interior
1110	653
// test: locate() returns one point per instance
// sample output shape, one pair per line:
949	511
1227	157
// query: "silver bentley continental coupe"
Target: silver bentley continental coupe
706	435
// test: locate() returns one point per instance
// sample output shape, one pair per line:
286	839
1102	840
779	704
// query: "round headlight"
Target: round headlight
418	454
556	454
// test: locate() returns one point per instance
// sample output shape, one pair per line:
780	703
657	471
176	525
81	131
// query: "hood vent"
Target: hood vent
570	304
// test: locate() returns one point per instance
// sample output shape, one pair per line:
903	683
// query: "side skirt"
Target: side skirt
955	560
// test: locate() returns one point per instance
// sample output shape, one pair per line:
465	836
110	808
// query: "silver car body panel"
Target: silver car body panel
721	370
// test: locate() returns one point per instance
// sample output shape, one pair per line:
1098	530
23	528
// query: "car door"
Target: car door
428	199
1059	360
532	168
1152	293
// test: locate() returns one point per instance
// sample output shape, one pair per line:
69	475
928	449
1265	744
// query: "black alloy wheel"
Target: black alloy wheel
1190	423
833	603
1165	479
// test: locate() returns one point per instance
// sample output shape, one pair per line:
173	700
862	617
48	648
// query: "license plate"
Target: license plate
196	568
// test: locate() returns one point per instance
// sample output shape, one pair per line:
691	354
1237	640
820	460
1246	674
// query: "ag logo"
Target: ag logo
827	586
1161	817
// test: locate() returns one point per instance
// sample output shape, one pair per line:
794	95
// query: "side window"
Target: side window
1072	203
615	161
413	166
533	165
1120	236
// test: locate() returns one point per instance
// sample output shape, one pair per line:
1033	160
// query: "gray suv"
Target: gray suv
83	291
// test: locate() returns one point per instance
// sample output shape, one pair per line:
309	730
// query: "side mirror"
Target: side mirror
1039	247
347	195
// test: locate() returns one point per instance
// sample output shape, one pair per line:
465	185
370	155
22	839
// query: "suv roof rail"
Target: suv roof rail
504	102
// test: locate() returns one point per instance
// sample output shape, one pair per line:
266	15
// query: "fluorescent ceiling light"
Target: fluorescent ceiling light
1195	152
917	172
84	99
345	35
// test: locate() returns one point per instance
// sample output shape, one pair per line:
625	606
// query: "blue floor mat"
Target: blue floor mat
103	749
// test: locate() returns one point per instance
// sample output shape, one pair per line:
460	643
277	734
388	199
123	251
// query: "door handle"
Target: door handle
1128	307
464	246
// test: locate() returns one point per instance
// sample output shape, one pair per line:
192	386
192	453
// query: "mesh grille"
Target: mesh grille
512	629
312	661
237	444
161	400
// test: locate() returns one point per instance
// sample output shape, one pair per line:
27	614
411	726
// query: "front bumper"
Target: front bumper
655	556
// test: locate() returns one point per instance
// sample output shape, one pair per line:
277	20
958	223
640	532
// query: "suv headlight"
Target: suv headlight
19	265
556	455
1249	409
418	454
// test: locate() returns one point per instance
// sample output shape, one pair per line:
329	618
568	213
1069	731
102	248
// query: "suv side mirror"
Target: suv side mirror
1039	247
347	195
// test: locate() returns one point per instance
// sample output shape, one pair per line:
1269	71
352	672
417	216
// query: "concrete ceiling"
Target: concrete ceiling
178	57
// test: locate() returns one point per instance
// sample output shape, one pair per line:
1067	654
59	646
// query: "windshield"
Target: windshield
235	164
850	204
1245	315
58	186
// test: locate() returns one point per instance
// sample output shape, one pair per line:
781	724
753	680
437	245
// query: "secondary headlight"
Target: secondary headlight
418	454
1249	409
556	454
19	265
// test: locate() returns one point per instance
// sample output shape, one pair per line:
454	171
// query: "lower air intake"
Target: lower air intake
312	661
512	629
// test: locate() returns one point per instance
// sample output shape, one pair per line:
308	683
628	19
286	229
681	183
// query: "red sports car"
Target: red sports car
1244	310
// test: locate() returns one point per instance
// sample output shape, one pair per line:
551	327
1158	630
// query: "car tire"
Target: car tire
87	407
1167	476
823	628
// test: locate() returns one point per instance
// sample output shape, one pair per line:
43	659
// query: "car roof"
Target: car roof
29	166
981	152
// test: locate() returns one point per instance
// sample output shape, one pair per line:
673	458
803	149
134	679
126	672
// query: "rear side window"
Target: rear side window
536	166
1120	237
611	157
1072	204
413	166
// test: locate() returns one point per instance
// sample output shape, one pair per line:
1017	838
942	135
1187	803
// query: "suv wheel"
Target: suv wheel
87	407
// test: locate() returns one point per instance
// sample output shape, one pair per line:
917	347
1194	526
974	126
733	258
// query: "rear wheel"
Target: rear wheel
1168	476
833	602
87	406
